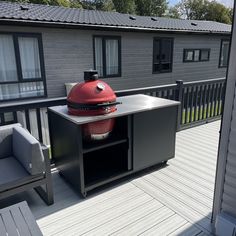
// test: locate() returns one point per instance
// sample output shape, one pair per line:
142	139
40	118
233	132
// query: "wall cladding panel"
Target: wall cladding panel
68	52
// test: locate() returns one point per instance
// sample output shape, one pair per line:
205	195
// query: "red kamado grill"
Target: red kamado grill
91	98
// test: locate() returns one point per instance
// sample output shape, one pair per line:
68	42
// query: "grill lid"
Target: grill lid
92	91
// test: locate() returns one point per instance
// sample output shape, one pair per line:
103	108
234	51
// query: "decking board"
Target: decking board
186	230
189	182
146	222
176	169
126	219
179	186
166	227
181	208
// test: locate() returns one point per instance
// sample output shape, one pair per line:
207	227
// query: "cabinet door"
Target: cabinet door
154	136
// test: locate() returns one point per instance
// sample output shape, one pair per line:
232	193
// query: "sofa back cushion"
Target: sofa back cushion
27	150
6	140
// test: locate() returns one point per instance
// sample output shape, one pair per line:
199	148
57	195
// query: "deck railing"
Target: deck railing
201	102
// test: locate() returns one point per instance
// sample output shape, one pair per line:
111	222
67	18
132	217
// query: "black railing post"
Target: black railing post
179	97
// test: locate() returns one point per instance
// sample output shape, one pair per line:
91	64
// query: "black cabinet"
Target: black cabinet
88	165
153	137
141	137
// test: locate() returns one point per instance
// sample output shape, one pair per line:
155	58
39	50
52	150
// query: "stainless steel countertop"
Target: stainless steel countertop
130	105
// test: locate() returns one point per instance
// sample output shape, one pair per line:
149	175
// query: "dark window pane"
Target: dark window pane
166	51
205	54
224	53
162	54
166	66
156	51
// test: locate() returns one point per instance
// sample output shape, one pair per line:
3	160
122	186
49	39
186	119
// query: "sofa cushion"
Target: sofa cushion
10	170
13	174
6	140
27	150
5	143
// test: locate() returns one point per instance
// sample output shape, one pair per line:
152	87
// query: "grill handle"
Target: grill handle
91	106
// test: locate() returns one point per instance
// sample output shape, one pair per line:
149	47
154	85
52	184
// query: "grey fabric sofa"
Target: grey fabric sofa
24	164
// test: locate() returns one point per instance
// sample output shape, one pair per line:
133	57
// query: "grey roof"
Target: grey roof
35	13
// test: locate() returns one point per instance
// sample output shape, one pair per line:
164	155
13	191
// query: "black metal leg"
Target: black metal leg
47	193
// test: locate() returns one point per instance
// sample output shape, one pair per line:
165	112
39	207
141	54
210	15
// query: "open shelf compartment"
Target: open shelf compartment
105	163
118	135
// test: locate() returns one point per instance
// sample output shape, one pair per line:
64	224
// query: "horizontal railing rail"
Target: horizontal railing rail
204	82
201	102
163	91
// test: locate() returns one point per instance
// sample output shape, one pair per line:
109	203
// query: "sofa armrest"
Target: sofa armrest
46	154
27	150
45	151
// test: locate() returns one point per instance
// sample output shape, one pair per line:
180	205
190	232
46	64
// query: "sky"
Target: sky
228	3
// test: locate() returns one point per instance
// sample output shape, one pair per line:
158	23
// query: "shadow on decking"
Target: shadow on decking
65	196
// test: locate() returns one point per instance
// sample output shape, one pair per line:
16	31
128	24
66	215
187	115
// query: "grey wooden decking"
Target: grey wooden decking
174	200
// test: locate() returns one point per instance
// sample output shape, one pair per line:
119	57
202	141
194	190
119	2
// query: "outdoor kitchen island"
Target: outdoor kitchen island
143	136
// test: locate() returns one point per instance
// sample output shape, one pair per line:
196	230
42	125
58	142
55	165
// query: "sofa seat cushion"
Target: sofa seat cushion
13	174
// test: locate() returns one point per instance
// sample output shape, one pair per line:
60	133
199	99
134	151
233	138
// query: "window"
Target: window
224	53
162	55
21	66
189	55
196	55
107	56
205	55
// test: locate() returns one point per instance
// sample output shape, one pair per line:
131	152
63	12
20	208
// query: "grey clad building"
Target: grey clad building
43	47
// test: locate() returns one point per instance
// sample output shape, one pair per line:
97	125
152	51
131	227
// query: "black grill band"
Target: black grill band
90	107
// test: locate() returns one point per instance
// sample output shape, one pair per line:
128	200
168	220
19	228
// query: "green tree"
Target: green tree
204	10
75	4
109	5
218	12
191	9
124	6
63	3
172	12
151	7
104	5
